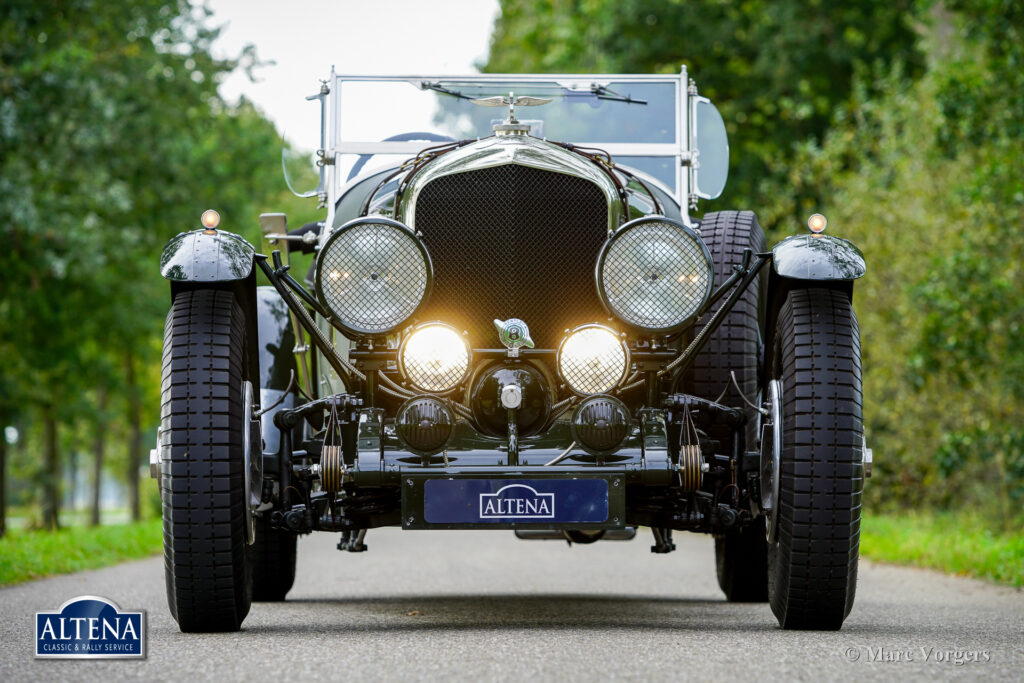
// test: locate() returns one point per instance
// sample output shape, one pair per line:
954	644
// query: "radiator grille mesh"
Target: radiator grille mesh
513	241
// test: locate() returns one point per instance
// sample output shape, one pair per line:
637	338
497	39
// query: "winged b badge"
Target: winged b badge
511	101
514	334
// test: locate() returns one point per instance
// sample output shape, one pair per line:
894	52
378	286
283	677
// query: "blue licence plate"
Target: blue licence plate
514	501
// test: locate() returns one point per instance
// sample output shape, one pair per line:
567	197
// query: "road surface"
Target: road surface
485	606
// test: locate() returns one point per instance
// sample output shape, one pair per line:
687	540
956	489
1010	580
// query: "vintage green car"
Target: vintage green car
514	321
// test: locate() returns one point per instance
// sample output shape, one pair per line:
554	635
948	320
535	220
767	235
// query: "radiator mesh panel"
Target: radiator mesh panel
512	241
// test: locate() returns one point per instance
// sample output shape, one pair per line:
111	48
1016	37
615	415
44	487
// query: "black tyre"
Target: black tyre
202	481
812	558
736	344
741	559
273	571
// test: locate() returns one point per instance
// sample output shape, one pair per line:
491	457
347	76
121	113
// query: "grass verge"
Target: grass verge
28	555
954	543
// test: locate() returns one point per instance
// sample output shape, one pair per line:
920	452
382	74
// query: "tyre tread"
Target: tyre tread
813	567
735	345
202	486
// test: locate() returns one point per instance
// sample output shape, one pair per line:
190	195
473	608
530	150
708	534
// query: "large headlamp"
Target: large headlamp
373	274
592	359
654	274
434	358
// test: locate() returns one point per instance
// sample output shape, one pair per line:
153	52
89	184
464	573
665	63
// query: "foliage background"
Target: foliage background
113	139
902	120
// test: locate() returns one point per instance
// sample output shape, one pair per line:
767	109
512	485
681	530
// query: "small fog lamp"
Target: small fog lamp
600	424
424	424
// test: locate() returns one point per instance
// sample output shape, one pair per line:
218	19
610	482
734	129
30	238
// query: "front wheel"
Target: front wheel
203	431
815	541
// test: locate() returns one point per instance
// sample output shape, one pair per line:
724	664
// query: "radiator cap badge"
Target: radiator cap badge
514	334
511	125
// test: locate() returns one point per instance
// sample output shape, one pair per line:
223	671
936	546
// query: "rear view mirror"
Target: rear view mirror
273	223
711	169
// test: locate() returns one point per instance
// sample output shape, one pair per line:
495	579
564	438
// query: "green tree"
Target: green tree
114	138
974	293
776	69
923	181
904	123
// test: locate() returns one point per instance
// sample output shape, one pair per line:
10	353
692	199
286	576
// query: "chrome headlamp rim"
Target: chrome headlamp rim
625	366
599	275
408	334
347	328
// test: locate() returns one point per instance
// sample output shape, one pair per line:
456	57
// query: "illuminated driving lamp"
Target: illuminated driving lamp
434	358
592	359
817	223
210	219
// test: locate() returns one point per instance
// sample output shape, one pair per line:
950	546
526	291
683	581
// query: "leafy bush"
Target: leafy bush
911	145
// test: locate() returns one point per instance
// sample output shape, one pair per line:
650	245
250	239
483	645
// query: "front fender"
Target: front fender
803	261
208	259
817	257
207	256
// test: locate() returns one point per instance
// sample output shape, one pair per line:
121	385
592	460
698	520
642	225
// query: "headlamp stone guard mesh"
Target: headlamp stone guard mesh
435	380
595	374
654	275
373	274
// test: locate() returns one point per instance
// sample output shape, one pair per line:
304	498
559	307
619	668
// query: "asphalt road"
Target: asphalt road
485	606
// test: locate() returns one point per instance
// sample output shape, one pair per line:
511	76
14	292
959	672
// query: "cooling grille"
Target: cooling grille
513	241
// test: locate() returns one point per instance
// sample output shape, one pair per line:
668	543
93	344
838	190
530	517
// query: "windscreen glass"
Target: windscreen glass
580	111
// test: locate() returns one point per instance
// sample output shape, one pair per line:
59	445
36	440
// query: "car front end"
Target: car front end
505	331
